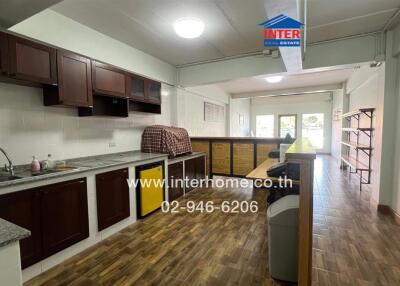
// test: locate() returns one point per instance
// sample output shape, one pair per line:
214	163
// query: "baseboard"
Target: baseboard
386	210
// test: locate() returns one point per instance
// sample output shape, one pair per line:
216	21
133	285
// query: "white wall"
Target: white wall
28	128
190	110
337	104
237	108
365	88
297	104
55	29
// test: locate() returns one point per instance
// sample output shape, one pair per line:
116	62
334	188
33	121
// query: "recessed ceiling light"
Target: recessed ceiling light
274	79
189	28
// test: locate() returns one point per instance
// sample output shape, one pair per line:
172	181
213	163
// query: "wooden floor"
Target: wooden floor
353	245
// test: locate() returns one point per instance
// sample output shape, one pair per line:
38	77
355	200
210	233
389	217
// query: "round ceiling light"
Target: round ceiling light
189	28
274	79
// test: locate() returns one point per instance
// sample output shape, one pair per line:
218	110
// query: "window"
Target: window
265	126
287	124
313	129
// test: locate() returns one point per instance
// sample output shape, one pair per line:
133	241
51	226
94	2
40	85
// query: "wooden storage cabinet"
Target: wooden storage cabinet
112	193
194	170
154	91
108	80
30	61
64	215
23	209
56	215
137	88
4	64
175	172
74	82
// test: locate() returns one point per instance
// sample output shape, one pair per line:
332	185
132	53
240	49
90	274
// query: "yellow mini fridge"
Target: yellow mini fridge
150	189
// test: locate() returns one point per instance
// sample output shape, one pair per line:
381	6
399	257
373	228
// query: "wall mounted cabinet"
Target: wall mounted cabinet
4	64
69	79
74	82
108	80
31	61
112	194
56	215
144	94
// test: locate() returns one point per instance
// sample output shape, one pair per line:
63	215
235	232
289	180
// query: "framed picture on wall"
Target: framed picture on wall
213	112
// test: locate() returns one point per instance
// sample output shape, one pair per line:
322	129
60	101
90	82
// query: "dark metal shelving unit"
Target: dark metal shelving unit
354	164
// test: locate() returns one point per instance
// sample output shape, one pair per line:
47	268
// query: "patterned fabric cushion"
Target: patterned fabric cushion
164	139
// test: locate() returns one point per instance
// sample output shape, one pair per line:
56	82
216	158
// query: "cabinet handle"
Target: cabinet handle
82	182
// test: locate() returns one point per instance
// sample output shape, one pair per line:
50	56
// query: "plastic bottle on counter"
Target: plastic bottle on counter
35	165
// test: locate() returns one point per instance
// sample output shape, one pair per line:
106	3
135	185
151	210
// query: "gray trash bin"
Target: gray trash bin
283	226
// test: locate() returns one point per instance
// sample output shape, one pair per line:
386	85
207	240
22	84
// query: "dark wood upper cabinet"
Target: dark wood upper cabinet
137	88
175	173
64	214
22	209
4	63
154	91
108	80
74	82
112	194
30	61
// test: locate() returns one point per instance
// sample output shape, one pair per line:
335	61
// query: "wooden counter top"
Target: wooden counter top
301	149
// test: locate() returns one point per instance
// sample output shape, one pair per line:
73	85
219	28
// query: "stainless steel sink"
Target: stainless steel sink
8	177
95	163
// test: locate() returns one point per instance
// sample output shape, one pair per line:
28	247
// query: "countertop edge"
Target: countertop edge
10	233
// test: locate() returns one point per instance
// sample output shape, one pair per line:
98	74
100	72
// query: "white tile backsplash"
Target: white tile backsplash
28	128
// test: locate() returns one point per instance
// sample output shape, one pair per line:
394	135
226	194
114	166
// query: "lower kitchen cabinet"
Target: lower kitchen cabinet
22	208
175	173
195	170
112	193
64	216
56	215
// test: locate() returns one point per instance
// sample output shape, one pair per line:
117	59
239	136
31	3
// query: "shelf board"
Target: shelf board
355	146
356	112
354	164
357	129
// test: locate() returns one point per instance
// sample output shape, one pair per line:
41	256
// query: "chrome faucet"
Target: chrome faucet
10	167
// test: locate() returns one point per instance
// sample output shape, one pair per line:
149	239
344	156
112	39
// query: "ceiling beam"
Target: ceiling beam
347	51
288	91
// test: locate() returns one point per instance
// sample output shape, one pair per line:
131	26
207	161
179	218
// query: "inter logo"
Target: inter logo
282	31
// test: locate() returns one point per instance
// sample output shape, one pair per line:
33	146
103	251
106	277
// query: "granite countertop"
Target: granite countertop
10	233
80	165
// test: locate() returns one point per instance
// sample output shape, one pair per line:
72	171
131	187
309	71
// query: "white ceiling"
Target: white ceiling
305	79
231	25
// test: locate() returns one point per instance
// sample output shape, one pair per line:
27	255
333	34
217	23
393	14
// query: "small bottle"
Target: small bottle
35	166
50	162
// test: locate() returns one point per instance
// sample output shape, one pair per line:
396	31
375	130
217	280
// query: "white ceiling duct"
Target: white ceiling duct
291	56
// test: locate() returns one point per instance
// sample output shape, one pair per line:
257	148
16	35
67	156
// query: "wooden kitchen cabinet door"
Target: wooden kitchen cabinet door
112	194
4	60
190	172
74	82
23	209
154	91
64	211
108	80
200	167
137	87
175	173
30	61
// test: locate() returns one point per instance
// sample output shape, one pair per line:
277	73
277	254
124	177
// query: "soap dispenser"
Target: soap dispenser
35	166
